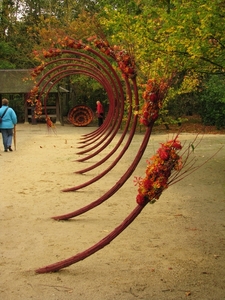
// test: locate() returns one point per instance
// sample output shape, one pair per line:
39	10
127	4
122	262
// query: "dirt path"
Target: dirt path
174	250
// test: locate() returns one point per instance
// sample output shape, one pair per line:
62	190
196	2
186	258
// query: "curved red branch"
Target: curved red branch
116	187
101	244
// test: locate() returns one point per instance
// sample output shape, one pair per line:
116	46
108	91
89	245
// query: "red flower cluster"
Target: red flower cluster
33	95
35	102
158	171
122	57
125	63
71	43
53	52
105	48
36	71
153	96
49	123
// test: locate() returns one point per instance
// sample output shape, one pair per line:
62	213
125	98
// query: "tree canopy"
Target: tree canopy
165	37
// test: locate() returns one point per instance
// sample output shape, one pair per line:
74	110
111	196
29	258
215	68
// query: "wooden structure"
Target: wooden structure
14	81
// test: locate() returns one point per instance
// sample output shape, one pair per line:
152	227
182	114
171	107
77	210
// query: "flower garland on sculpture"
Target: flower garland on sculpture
33	101
122	57
153	100
159	169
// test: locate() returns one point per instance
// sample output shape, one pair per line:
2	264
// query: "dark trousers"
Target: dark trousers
100	121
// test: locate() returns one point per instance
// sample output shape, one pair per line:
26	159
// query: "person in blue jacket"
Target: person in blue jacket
9	120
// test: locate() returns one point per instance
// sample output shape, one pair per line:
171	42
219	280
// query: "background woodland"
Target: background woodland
165	37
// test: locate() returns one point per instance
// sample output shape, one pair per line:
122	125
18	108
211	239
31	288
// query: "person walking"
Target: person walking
100	113
9	120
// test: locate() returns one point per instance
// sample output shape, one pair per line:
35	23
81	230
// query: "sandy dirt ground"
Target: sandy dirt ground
175	249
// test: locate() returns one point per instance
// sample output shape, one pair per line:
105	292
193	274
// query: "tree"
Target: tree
165	37
212	100
171	35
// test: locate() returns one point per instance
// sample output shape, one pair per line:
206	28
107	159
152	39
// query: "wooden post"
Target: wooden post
33	119
25	110
57	109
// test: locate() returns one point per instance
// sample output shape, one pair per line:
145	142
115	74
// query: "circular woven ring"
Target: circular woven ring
80	115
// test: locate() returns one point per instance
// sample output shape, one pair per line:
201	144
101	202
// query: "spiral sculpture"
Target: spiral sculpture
80	115
115	70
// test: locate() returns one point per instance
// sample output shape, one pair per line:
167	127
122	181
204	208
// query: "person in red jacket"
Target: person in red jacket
100	113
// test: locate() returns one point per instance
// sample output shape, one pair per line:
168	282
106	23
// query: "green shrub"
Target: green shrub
212	100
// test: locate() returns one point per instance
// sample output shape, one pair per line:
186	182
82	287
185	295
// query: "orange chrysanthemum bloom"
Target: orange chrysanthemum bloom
158	171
